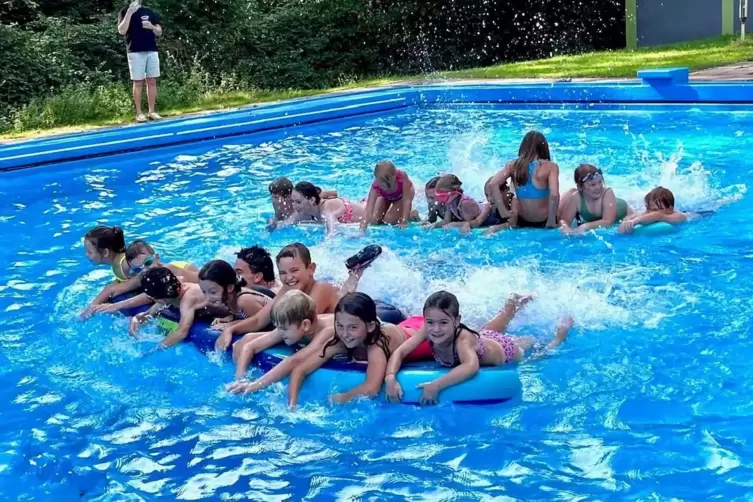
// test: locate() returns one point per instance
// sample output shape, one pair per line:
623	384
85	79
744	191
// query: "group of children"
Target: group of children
525	194
252	310
325	320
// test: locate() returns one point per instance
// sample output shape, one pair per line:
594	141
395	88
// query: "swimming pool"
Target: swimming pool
649	398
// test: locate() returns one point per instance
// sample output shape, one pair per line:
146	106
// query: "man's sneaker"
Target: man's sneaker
140	117
155	116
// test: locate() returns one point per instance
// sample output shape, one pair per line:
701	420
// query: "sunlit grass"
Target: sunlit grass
695	55
78	111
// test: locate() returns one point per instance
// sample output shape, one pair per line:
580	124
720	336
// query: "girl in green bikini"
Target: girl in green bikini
591	205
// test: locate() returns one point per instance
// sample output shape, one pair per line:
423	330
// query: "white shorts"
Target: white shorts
143	65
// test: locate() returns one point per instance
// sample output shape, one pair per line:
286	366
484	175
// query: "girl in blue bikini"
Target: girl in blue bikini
535	180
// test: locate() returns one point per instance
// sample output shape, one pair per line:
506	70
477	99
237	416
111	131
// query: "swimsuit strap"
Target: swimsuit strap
529	190
117	268
398	193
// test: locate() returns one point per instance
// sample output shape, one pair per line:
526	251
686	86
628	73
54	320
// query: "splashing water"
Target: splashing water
652	382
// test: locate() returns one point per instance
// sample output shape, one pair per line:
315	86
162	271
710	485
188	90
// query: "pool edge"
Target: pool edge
287	114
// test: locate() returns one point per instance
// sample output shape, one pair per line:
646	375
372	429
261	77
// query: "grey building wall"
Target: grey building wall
668	21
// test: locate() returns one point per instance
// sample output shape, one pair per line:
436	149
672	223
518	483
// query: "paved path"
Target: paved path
737	71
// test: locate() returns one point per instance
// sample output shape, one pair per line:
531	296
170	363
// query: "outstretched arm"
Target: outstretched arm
469	366
369	211
377	366
394	391
314	359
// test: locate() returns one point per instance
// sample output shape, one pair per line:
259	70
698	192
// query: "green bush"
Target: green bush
64	62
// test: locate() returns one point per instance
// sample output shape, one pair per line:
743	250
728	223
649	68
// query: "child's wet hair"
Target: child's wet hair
582	171
533	147
384	164
661	197
450	182
259	261
281	186
449	304
444	301
136	249
295	251
160	283
292	308
107	238
222	273
362	306
309	190
432	183
507	194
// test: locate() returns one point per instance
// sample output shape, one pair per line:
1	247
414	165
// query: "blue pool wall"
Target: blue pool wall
654	87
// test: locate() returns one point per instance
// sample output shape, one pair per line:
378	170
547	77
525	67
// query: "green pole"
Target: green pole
728	17
631	24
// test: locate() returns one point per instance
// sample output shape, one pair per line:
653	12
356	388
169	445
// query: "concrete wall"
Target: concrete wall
667	21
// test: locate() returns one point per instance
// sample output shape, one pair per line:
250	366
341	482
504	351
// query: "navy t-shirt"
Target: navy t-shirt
139	39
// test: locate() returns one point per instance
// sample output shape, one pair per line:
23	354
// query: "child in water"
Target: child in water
457	346
296	272
106	246
459	209
361	336
140	256
226	290
281	190
166	290
296	321
256	266
660	207
436	211
309	206
591	204
390	199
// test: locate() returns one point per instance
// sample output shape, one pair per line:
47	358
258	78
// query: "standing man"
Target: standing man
141	28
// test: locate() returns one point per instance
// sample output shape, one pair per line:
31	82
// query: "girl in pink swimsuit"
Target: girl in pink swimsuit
308	205
459	209
390	198
455	345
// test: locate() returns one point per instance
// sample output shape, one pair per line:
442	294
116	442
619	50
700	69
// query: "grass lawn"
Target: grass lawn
62	113
612	64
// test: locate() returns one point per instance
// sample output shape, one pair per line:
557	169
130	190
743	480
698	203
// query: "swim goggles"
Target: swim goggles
444	196
148	262
593	175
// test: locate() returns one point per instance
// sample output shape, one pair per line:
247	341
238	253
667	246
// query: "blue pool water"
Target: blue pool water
649	398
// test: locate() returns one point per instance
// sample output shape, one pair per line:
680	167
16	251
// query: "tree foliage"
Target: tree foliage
49	45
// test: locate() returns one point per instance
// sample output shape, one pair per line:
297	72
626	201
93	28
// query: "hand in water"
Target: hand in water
466	228
430	393
243	387
224	340
393	390
627	227
86	314
402	225
109	308
340	398
135	325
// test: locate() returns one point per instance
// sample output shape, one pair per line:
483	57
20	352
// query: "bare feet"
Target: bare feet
562	331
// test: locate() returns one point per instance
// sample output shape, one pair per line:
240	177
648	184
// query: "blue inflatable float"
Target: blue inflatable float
658	228
488	386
